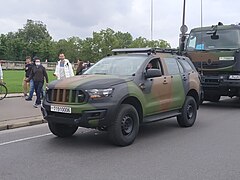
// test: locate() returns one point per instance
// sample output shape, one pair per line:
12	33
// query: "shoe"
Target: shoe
28	99
36	105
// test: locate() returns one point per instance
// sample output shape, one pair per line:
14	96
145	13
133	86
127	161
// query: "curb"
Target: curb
14	95
17	123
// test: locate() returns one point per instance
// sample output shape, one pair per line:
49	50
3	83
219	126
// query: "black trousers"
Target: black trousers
38	85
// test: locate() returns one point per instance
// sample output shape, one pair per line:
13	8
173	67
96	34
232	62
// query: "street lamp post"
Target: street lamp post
151	19
183	29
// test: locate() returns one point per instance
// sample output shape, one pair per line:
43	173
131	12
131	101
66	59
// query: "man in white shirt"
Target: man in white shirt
63	68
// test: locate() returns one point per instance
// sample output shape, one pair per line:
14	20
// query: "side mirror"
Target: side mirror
150	73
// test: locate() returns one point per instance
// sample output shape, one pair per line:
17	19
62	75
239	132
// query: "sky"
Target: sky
67	18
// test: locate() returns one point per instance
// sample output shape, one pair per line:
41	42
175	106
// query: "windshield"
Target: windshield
117	65
227	39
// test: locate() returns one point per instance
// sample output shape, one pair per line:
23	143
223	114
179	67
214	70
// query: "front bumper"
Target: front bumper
220	85
91	118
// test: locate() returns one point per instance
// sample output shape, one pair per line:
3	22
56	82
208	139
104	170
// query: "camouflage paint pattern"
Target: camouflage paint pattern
209	60
216	65
156	95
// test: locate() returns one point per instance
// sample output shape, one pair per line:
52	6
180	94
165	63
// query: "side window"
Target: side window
180	68
186	65
172	66
154	64
191	42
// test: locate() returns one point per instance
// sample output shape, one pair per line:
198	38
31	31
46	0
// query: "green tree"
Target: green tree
70	47
3	46
142	42
34	40
33	34
102	43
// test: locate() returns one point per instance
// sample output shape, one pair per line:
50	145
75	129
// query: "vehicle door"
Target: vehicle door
156	89
177	92
190	76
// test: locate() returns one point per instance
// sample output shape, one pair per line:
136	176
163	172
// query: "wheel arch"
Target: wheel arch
136	104
195	95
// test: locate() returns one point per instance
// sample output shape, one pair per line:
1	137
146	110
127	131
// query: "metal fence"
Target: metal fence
19	65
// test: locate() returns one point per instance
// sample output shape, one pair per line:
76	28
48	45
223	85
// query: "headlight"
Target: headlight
234	77
99	93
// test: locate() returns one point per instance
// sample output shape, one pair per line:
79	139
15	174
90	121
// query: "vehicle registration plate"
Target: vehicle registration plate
61	109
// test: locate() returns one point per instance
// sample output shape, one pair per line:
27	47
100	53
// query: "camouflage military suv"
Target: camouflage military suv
122	91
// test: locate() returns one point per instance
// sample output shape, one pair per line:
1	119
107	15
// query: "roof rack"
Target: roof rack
144	50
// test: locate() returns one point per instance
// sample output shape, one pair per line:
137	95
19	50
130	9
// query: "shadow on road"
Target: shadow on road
93	139
226	103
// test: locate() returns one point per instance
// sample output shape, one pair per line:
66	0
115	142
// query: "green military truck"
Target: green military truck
214	51
122	91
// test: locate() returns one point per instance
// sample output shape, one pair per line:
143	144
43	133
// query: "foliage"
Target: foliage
34	40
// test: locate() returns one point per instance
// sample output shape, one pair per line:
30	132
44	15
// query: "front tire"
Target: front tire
188	113
62	130
124	128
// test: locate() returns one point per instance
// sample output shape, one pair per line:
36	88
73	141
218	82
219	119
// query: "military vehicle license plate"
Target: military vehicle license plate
61	109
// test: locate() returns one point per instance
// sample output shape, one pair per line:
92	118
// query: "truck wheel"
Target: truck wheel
62	130
188	113
124	128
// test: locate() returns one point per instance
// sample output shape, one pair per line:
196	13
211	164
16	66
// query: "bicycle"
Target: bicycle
3	91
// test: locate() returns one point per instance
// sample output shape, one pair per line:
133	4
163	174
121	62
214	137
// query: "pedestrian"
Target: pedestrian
31	90
88	64
1	73
63	68
38	74
80	67
25	84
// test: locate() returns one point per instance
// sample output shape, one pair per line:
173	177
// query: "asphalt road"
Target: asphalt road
207	151
17	108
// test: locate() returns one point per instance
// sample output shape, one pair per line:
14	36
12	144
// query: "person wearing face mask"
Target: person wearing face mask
63	68
38	74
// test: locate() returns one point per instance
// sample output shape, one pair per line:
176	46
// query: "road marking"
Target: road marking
24	139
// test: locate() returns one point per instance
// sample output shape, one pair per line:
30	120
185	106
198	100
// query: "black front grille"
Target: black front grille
65	96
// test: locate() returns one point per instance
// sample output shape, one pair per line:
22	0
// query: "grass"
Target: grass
14	79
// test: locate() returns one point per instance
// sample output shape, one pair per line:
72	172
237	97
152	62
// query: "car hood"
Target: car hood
89	82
